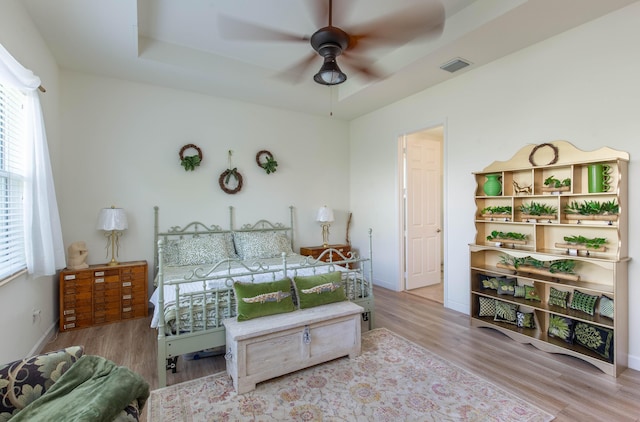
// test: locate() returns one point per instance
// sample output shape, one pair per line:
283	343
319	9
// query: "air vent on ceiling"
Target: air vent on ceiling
455	65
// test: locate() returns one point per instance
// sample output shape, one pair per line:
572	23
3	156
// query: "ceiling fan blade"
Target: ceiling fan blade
361	65
297	72
236	29
423	20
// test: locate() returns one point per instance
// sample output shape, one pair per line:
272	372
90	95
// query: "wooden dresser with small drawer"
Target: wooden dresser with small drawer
102	294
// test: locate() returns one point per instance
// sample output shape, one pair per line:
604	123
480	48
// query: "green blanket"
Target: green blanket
93	389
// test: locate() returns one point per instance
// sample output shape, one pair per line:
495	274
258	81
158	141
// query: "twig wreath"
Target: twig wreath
555	154
225	178
270	165
190	162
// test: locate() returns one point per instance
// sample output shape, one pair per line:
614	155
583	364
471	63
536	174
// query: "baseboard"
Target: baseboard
44	339
634	362
386	285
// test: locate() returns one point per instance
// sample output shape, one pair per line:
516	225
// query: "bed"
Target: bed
195	266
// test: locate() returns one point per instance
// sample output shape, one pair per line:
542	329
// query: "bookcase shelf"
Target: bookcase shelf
582	312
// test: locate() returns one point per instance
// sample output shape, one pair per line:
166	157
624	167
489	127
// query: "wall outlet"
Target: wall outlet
36	314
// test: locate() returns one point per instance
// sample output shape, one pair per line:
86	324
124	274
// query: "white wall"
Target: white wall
121	144
21	336
581	86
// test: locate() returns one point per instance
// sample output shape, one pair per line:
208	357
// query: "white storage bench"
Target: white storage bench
268	347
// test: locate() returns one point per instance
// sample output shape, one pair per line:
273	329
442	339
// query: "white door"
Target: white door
423	215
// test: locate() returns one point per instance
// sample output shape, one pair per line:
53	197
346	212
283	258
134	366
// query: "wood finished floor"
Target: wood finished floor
566	387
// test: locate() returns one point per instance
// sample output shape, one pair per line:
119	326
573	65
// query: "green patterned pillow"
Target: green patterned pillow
530	293
203	250
488	282
561	327
519	291
525	320
320	289
506	286
261	299
606	306
583	302
558	298
595	338
261	245
506	312
487	306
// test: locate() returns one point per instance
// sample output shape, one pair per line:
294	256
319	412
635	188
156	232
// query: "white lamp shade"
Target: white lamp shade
325	215
112	219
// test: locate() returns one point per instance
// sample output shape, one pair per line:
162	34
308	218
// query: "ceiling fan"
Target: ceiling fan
424	18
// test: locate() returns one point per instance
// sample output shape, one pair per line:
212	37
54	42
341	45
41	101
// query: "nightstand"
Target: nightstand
315	251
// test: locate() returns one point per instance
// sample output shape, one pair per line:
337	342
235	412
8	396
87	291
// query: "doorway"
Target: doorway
422	213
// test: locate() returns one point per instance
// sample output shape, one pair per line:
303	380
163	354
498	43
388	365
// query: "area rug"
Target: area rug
393	380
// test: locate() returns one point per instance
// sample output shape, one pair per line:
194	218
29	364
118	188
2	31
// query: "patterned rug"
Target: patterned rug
393	380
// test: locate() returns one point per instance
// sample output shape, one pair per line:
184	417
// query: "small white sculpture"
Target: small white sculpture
77	256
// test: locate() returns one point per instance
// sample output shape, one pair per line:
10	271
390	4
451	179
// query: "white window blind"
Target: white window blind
12	146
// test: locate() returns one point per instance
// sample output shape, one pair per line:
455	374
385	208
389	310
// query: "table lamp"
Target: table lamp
325	217
113	221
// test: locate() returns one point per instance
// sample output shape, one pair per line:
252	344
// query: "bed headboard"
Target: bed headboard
197	229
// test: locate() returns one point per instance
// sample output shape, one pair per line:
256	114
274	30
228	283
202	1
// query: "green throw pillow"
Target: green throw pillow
561	327
487	306
525	319
506	286
531	293
583	302
519	291
598	339
558	297
320	289
261	299
606	306
506	312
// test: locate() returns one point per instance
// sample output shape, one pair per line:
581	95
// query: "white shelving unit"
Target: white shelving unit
598	272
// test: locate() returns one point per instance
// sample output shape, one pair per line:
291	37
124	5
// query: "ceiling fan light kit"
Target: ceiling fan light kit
330	73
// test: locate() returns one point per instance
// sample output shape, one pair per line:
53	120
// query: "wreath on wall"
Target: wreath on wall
225	179
547	145
269	164
190	162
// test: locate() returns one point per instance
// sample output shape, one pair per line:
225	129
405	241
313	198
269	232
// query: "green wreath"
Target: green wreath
190	162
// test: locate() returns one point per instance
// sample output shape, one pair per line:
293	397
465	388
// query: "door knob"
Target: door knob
438	230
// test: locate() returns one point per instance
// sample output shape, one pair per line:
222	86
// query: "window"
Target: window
12	124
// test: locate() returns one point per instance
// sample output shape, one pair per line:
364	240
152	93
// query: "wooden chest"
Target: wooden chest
271	346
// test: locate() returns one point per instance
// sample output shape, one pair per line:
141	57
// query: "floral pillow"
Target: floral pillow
261	245
203	250
30	378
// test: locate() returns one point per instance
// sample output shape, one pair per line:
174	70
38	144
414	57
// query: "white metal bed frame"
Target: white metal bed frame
221	301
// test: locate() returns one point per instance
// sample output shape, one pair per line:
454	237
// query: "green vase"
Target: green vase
492	187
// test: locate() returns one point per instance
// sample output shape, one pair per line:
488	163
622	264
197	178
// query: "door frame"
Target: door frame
401	205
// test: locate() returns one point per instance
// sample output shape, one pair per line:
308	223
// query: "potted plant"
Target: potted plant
537	210
561	268
551	184
595	244
508	237
497	212
592	210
